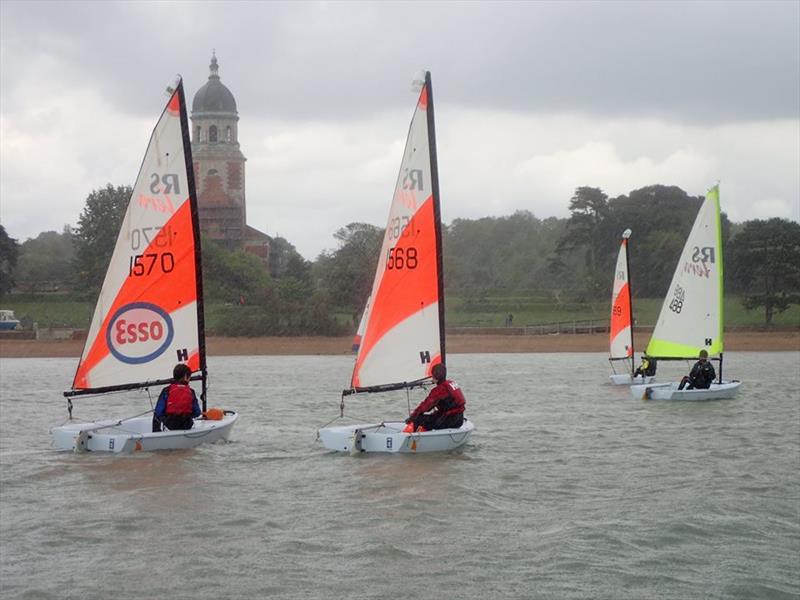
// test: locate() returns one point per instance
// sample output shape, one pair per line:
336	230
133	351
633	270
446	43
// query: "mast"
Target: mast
626	236
198	265
721	277
436	211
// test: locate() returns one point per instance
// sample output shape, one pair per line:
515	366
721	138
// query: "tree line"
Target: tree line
520	253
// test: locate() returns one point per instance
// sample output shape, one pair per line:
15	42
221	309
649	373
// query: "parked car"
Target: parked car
8	321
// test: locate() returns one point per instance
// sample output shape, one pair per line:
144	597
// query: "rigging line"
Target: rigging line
116	423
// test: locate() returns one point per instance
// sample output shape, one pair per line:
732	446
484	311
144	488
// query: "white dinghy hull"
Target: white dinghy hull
389	437
670	391
136	435
627	379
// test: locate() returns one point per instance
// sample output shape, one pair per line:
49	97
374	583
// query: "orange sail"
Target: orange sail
149	314
401	333
621	331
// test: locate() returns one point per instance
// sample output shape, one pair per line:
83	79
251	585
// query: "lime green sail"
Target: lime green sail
691	317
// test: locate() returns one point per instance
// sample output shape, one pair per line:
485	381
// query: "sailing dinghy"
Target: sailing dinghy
150	312
621	328
691	316
401	335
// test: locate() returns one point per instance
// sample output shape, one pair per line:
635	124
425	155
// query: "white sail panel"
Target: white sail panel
362	325
391	355
691	316
146	315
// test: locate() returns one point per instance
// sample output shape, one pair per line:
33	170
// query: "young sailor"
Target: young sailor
444	404
647	368
177	404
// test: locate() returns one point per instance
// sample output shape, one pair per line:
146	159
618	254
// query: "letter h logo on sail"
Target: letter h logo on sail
425	357
183	355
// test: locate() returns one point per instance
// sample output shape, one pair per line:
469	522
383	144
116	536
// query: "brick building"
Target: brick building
219	169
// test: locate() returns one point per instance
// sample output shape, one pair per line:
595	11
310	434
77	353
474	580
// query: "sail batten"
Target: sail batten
149	314
691	316
401	334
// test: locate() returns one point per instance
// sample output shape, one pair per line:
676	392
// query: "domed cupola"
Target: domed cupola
218	162
213	98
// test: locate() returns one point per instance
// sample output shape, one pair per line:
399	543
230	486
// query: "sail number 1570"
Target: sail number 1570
144	264
401	258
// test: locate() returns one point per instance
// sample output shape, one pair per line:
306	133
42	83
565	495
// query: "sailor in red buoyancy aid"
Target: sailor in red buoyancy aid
445	405
177	403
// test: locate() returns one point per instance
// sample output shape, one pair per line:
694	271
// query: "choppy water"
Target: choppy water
568	489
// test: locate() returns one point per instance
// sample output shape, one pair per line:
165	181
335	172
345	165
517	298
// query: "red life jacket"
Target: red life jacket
179	400
455	403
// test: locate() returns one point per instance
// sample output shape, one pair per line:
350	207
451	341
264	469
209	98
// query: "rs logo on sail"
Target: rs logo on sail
139	332
701	258
161	187
168	183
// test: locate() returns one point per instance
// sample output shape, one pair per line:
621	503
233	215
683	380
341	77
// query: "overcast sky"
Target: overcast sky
532	101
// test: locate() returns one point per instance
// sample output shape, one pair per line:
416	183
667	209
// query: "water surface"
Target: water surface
568	489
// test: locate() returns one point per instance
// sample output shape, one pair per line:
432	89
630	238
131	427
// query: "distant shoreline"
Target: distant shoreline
456	344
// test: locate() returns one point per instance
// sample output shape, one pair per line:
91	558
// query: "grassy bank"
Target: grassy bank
486	311
533	309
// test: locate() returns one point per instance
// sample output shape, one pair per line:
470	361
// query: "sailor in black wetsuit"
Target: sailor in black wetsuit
701	375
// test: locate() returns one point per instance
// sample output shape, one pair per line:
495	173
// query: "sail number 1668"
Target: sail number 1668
401	258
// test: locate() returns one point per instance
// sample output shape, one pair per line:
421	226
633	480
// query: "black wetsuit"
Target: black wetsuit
700	377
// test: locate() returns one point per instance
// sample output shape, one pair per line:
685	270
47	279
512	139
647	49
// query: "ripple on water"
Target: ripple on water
567	490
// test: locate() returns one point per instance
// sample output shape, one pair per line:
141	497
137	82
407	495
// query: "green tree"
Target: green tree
45	262
97	232
764	263
347	272
286	261
500	253
234	277
587	228
9	252
661	218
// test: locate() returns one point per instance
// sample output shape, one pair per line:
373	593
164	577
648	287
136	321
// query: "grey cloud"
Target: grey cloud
706	62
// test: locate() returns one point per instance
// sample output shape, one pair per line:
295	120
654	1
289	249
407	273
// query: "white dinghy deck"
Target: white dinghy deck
628	379
389	438
669	391
135	434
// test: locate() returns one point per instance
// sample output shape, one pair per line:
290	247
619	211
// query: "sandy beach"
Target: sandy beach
457	344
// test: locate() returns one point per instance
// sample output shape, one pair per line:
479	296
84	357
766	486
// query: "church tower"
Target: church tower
218	163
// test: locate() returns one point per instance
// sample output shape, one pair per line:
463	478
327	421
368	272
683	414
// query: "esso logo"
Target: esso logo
139	332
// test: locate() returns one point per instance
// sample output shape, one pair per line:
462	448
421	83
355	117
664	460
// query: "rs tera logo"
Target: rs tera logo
139	332
701	259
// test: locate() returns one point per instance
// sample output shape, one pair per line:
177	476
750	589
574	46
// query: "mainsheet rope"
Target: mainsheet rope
91	420
342	415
